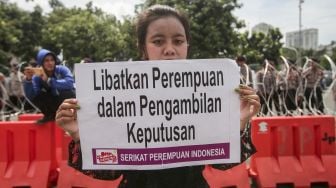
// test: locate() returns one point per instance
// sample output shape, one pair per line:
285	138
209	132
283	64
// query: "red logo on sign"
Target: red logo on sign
105	157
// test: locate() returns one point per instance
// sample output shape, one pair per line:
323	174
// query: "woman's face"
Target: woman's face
166	39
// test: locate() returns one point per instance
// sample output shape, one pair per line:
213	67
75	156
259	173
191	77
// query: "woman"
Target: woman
163	34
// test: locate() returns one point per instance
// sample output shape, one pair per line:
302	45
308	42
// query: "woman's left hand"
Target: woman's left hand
249	104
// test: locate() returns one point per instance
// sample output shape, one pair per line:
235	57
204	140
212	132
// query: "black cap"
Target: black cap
315	59
290	61
240	58
87	60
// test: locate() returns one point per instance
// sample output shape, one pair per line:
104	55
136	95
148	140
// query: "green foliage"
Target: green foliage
20	32
32	34
90	32
129	48
319	55
290	53
10	23
258	46
83	33
310	53
333	52
79	32
55	4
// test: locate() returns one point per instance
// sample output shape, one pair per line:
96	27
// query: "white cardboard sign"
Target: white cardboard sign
158	114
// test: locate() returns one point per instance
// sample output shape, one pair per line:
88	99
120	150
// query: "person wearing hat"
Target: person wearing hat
2	90
15	90
266	80
334	93
86	60
245	71
313	91
290	86
52	83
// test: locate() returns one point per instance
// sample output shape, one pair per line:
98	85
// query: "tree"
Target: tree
83	33
259	46
333	54
31	28
55	4
129	50
213	26
20	32
290	53
10	23
318	54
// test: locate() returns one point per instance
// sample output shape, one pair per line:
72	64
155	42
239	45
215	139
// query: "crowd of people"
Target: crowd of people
288	90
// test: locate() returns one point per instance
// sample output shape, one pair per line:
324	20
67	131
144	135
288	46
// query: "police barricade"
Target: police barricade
234	177
59	139
299	151
57	132
56	143
69	177
26	154
29	117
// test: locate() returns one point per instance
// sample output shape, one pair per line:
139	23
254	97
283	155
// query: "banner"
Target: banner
158	114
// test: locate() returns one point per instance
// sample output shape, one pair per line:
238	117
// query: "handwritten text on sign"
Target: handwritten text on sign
158	114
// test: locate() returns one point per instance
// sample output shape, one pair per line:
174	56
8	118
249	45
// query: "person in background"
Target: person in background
28	85
86	60
15	89
163	34
289	83
52	83
2	90
313	91
245	71
267	88
107	60
334	92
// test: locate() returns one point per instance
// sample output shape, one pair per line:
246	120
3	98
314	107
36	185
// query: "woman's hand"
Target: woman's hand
66	117
249	104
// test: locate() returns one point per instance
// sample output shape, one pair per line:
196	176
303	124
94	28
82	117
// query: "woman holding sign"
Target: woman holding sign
163	34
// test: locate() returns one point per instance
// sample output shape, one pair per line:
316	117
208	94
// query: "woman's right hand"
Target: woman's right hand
66	117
